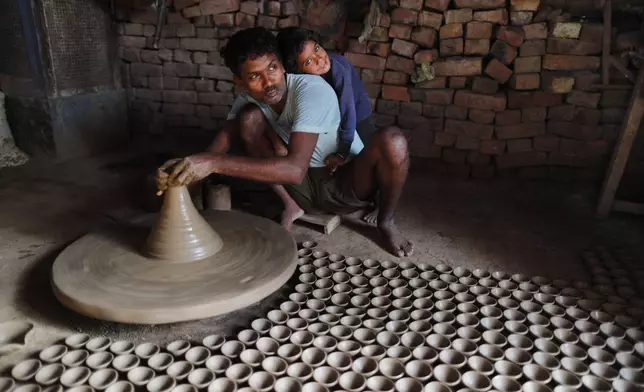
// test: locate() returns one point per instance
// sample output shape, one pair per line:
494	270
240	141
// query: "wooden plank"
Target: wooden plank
623	147
629	207
606	42
615	63
328	222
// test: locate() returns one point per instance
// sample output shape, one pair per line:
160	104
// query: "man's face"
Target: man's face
263	77
313	59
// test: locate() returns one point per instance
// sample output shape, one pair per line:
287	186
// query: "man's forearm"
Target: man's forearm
277	170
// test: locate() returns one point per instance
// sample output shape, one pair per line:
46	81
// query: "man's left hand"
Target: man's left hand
334	161
184	171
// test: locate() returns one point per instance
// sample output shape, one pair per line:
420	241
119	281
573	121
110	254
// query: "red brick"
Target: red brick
411	109
268	22
182	56
533	114
433	111
513	35
498	16
400	31
440	5
520	18
378	49
570	63
417	123
273	8
444	139
391	108
466	66
181	4
517	100
467	143
403	48
132	42
535	47
527	64
451	47
456	112
373	90
438	97
199	57
180	96
357	47
458	16
479	4
393	77
508	117
424	36
530	158
366	61
412	4
424	150
289	8
493	147
574	47
216	98
485	85
202	85
582	98
186	31
401	64
519	145
481	116
522	130
183	70
430	19
592	32
503	52
529	81
454	30
477	46
498	71
211	7
546	143
215	72
572	160
290	21
524	5
469	129
584	80
249	7
425	56
561	113
480	101
587	116
454	156
395	93
404	16
478	158
536	31
143	69
457	82
202	44
478	30
439	82
574	131
556	82
222	86
175	18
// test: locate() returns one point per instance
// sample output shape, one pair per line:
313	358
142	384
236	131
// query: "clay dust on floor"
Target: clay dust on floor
532	228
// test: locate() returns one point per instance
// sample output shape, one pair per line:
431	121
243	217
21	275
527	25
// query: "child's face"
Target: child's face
313	59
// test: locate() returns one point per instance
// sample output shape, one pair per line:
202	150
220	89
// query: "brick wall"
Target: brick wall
511	92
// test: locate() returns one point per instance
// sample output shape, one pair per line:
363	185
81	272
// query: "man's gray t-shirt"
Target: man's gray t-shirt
311	107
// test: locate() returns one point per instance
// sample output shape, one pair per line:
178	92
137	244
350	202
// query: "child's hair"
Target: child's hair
248	44
290	41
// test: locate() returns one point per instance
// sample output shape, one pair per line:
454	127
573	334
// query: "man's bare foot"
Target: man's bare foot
371	217
290	214
396	242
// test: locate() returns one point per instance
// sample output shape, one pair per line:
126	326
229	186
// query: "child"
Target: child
301	53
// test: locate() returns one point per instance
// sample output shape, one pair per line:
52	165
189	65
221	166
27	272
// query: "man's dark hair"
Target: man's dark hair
248	44
290	41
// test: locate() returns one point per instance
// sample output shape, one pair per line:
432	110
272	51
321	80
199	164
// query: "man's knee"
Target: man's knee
392	141
251	123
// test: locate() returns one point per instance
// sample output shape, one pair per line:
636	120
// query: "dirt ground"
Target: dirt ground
536	228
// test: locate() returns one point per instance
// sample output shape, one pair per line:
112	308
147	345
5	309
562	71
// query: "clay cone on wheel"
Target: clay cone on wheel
180	233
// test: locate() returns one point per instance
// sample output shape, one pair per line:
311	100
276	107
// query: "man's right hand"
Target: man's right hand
180	172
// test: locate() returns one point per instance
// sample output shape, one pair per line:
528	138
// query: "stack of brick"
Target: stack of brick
511	91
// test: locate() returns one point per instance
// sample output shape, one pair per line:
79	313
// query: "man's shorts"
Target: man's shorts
321	192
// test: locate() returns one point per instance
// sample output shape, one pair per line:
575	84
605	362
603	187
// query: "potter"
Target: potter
288	125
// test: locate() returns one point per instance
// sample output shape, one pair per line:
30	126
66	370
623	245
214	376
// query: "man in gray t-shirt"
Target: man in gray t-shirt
289	125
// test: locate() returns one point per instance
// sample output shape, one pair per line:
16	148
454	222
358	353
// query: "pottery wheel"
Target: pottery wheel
105	275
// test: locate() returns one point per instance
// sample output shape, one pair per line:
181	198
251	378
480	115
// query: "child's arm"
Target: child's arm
344	90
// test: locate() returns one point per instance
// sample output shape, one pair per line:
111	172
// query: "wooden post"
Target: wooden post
623	147
606	42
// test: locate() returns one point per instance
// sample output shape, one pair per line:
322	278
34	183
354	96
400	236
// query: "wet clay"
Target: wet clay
177	266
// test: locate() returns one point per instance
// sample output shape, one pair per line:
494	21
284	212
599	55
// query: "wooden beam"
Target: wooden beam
623	147
327	222
606	42
629	207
